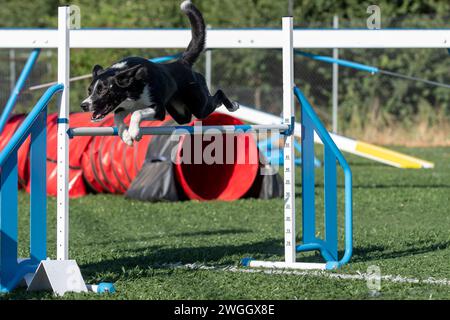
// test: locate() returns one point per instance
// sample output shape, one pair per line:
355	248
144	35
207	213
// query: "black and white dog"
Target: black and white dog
145	89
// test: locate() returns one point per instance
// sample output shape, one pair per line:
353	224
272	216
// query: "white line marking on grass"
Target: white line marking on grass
326	274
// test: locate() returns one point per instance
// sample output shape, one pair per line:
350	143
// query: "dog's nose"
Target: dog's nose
85	106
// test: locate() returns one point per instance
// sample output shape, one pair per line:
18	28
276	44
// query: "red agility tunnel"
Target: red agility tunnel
219	167
109	165
221	179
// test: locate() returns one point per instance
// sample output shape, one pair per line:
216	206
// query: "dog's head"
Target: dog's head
110	87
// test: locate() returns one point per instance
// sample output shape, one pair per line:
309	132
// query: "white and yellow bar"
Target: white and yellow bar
379	154
358	148
393	158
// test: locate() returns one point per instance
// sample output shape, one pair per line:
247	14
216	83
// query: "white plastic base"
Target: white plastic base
59	276
287	265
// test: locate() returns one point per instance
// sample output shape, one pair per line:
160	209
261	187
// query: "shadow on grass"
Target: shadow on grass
153	256
211	233
380	252
219	232
146	259
23	294
142	262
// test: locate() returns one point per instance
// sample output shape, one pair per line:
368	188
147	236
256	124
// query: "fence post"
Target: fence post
12	69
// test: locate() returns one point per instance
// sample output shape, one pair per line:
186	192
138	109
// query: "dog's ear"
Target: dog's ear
125	78
96	70
141	73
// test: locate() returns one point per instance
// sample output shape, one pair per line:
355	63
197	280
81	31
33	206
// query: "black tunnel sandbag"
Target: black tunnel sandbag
155	182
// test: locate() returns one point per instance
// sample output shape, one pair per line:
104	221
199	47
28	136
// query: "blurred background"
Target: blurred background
376	108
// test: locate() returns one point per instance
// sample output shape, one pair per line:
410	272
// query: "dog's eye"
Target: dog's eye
101	88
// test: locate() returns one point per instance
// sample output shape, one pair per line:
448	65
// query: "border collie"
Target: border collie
147	90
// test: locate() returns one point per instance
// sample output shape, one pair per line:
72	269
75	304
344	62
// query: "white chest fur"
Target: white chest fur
130	105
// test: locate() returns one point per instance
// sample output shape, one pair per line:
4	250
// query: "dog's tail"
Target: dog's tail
197	44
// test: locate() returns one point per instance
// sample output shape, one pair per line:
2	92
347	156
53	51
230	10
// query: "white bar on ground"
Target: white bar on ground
289	155
62	247
287	265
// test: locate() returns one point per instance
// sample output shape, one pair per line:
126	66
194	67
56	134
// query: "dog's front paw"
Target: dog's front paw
135	133
126	137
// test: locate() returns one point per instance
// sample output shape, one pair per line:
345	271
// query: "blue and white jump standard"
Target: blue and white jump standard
310	122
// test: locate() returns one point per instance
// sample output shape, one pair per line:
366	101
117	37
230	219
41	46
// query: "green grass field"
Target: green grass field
401	225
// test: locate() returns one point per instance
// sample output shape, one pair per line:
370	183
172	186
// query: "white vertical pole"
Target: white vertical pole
335	80
289	166
208	61
62	250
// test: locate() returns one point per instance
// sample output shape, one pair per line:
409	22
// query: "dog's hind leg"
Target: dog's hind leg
220	98
200	100
206	105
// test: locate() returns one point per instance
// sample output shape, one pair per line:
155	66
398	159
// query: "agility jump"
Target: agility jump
46	274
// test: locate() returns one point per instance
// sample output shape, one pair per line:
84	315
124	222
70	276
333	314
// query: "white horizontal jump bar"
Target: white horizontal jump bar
233	38
287	265
178	130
